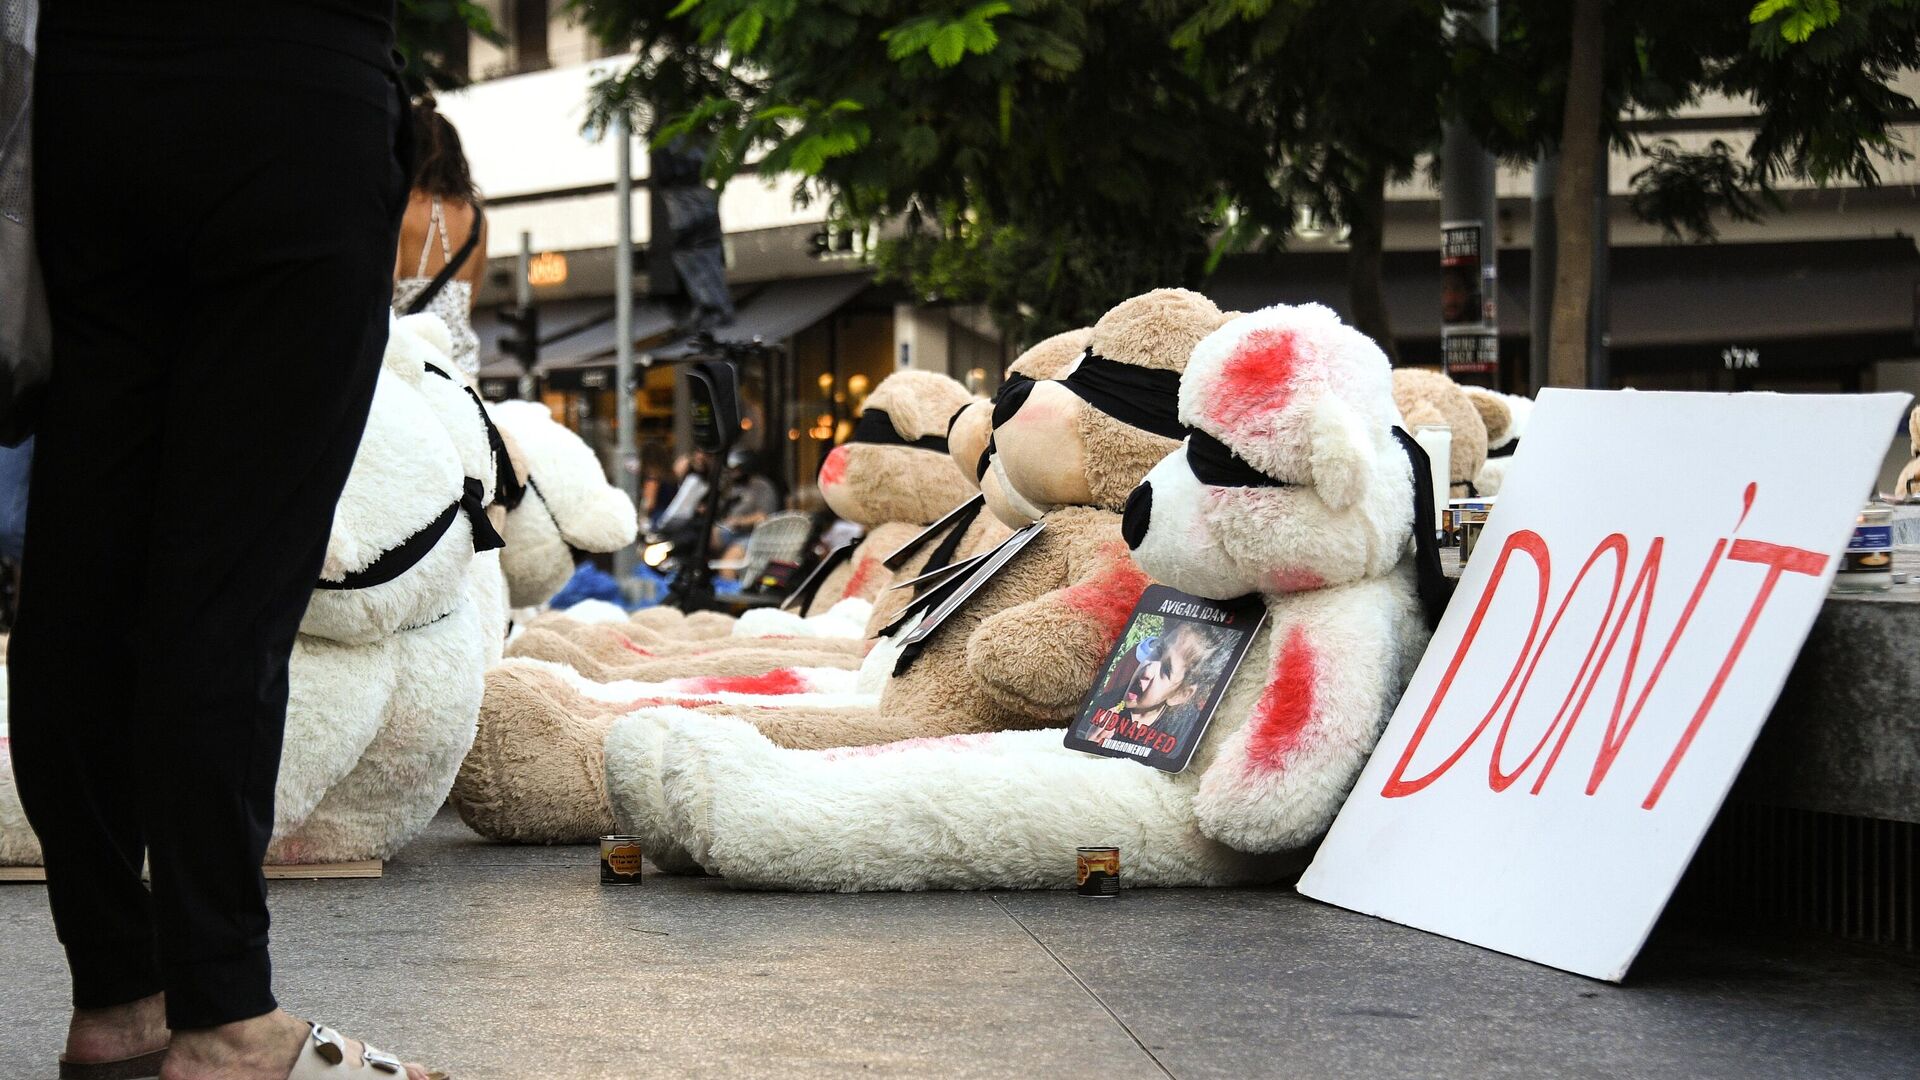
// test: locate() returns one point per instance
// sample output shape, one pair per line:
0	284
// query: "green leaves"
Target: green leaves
1798	19
947	41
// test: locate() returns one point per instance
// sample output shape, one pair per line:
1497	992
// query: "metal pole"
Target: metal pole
523	299
1546	230
627	455
1470	342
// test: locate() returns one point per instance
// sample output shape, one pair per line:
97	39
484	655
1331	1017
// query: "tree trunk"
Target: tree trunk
1573	198
1366	299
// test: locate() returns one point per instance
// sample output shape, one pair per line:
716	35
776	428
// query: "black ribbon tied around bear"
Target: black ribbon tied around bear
876	427
398	560
1146	398
508	492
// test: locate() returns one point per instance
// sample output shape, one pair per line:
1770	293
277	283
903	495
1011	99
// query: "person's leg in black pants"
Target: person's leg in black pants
217	234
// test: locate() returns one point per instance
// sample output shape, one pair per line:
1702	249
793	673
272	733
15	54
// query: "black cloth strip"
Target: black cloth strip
1214	462
1432	583
398	560
943	555
1504	451
507	488
1146	398
876	427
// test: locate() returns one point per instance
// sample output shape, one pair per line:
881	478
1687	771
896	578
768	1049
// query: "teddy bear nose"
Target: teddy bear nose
1136	516
1009	400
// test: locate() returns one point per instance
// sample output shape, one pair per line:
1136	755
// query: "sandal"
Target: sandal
324	1057
137	1067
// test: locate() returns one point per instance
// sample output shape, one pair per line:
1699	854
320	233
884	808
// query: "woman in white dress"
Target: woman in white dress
443	238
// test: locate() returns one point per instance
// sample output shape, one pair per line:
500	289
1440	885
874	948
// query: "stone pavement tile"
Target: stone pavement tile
1223	983
468	962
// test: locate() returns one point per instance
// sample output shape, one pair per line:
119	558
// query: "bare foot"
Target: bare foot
118	1031
263	1048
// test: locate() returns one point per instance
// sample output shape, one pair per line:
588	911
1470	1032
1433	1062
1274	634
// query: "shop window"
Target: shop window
529	31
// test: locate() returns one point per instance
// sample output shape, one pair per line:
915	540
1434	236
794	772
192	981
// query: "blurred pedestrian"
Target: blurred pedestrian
217	189
442	205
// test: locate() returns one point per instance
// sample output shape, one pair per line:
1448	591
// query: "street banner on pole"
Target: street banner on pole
1621	632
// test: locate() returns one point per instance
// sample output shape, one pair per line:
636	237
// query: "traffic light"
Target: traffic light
522	338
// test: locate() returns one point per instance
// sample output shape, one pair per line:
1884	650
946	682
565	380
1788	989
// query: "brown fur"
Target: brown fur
1494	412
983	534
605	640
1117	456
536	771
1424	396
664	619
601	665
1157	329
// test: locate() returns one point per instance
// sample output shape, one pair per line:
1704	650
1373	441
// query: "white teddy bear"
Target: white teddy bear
386	675
1293	486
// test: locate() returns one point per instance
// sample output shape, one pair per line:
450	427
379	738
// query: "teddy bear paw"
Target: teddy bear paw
635	752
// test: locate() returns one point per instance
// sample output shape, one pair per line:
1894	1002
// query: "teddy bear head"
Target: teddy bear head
402	536
1497	413
1292	477
1425	396
1087	436
895	467
970	434
558	501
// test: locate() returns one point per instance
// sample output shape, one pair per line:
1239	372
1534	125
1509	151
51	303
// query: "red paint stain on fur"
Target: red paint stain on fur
777	681
1107	598
867	577
636	650
1286	707
1257	379
834	469
1294	580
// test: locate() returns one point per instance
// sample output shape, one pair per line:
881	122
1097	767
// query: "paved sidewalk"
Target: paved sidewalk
515	962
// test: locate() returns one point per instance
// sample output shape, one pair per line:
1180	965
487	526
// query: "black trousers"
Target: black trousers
216	224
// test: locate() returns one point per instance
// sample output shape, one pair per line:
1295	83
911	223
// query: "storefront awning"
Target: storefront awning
573	334
777	312
1663	296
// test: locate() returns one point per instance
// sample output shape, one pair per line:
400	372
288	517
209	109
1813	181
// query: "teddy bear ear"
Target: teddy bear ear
1494	412
1342	454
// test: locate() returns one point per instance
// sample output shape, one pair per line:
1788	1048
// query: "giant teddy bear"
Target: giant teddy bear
1019	655
1426	396
1506	417
1292	486
385	676
894	477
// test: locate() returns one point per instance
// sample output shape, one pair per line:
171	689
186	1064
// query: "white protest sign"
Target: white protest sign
1622	630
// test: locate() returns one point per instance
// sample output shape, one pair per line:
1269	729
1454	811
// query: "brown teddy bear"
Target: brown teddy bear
1425	396
1021	654
1028	648
971	436
893	476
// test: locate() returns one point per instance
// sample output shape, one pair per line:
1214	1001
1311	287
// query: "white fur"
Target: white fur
999	811
384	683
405	474
1493	475
404	773
592	514
1005	810
597	611
846	619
